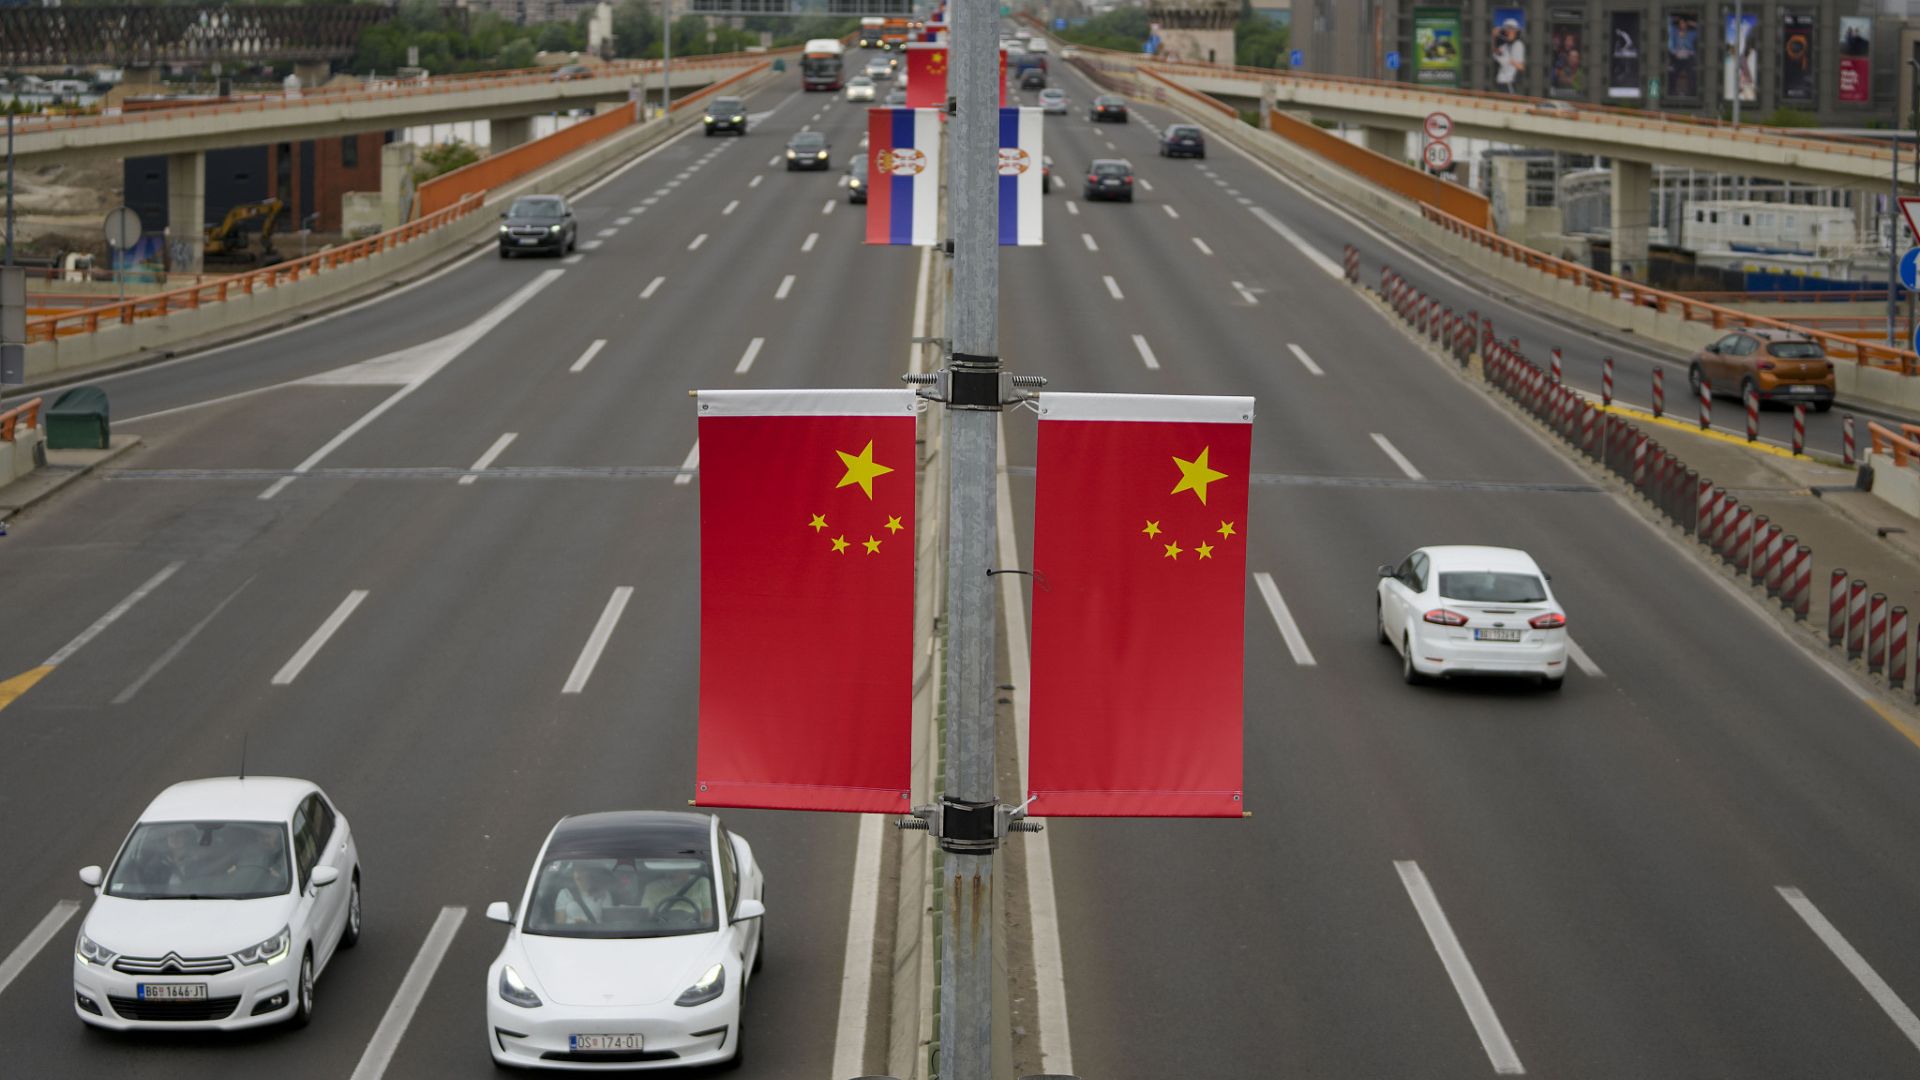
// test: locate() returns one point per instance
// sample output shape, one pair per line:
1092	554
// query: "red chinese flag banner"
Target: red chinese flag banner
806	599
926	75
1140	579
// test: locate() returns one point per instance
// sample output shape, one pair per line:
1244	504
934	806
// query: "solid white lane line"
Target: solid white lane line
831	203
174	650
1146	353
1113	287
1293	238
1283	618
1202	245
1582	661
807	244
1306	361
1399	458
605	233
1856	965
113	615
1171	212
786	286
652	287
593	350
755	182
688	468
298	662
731	207
697	241
1073	208
1087	239
43	932
500	444
856	972
1145	184
1245	293
406	1000
1486	1023
597	641
746	359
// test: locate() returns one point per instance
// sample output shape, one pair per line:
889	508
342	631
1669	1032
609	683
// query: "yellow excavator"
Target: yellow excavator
227	242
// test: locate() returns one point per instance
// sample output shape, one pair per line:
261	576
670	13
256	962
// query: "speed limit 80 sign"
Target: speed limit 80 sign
1438	155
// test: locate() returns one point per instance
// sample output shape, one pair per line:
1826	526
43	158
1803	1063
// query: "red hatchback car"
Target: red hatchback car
1778	365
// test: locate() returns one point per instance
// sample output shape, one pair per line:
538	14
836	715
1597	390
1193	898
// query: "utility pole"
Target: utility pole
1739	60
1913	66
13	292
666	57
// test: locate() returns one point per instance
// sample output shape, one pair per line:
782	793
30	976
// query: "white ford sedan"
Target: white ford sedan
1472	611
226	901
631	948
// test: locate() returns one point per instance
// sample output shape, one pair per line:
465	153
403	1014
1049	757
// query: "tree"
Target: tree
442	158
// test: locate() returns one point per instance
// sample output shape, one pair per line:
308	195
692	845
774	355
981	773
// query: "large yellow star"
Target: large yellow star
840	543
1174	549
893	525
861	469
819	522
1195	475
872	545
1152	529
1205	550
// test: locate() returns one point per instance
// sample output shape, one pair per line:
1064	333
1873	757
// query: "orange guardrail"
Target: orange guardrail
496	169
88	320
1905	448
1836	345
27	413
1794	296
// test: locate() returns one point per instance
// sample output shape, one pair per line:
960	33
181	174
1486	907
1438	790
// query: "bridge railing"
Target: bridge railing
90	320
1903	446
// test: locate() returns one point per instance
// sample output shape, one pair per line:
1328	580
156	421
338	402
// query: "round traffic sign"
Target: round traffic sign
1439	125
1910	268
122	227
1439	155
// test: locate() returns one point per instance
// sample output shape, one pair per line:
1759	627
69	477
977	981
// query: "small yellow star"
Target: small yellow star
872	545
861	469
1225	529
839	543
1205	550
1174	549
893	525
1152	529
1195	475
819	522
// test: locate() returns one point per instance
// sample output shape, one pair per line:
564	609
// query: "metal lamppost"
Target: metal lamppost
666	57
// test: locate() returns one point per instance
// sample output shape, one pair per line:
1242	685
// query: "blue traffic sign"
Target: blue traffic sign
1059	24
1296	58
1152	46
1910	268
1393	61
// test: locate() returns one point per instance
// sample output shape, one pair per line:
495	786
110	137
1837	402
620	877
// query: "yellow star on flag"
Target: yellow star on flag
1205	550
1225	529
893	525
871	545
1195	475
1152	529
839	543
861	469
1174	549
819	522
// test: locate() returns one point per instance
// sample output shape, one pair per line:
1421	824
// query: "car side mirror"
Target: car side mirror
749	909
324	876
90	876
1714	348
500	912
503	215
1386	570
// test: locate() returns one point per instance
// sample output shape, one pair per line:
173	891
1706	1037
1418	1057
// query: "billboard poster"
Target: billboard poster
1623	55
1567	74
1509	49
1436	46
1740	58
1856	58
1683	56
1796	57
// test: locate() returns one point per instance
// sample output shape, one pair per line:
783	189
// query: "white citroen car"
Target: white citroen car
631	948
859	88
226	901
1472	611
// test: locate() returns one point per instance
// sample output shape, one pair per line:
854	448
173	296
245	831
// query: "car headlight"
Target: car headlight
711	119
553	228
91	952
271	951
739	119
503	229
822	155
791	154
853	182
706	989
515	991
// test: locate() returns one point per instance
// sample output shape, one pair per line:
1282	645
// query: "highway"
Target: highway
1450	881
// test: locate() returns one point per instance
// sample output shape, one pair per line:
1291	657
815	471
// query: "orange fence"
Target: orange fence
27	413
496	169
1382	171
88	320
1903	445
1838	346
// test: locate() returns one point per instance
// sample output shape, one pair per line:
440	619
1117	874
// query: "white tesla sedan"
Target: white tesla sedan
226	901
631	948
1464	610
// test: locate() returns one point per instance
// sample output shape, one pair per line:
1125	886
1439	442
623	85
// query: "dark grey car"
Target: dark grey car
538	224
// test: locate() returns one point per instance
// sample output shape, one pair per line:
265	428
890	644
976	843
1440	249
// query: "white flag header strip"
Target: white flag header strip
1176	408
902	402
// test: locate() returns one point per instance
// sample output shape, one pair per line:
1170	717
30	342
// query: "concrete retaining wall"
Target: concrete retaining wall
1896	485
22	455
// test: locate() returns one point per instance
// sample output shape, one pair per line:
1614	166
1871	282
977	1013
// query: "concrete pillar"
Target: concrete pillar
508	132
1391	142
1632	207
396	184
186	211
313	72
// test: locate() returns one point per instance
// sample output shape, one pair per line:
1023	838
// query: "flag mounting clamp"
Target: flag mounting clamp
969	828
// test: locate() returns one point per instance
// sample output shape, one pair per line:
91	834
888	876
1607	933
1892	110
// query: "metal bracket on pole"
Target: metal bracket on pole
969	828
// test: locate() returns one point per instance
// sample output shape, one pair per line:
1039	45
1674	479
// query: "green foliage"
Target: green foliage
1791	118
454	43
1122	30
1260	42
518	53
442	158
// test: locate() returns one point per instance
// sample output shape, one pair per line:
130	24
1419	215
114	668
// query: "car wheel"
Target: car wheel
1380	624
1408	673
1128	197
1552	685
505	254
1822	406
1693	380
303	993
350	933
1202	155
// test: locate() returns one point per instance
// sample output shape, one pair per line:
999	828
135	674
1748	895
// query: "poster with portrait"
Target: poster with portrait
1683	56
1796	57
1740	58
1436	46
1567	67
1856	58
1623	55
1508	50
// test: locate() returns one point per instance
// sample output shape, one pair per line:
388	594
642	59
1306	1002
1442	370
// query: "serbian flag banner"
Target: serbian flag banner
1140	579
926	75
903	176
1021	155
806	599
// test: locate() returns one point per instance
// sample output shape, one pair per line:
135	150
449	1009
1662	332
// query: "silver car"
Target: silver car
1054	102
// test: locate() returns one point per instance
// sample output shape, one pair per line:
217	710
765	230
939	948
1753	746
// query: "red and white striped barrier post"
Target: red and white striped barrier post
1706	404
1702	506
1639	461
1846	440
1742	538
1352	261
1876	633
1856	618
1659	393
1556	367
1606	381
1757	554
1723	525
1587	415
1800	587
1791	552
1777	548
1753	415
1698	488
1837	609
1897	637
1709	534
1799	430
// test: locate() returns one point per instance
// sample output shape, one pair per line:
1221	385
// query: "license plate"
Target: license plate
1800	389
172	991
587	1044
529	239
1496	635
1109	183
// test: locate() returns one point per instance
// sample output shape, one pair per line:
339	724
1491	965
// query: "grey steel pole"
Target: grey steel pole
1739	60
9	255
1914	67
1894	218
974	396
666	57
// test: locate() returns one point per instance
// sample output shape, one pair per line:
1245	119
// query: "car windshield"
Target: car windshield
808	140
1108	169
1796	350
1492	586
858	166
541	207
1052	95
860	80
202	860
1183	132
724	105
1106	101
637	895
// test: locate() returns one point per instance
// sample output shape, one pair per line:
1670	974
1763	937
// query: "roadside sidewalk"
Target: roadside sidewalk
63	467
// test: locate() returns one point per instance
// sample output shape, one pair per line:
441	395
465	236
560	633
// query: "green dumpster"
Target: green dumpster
78	420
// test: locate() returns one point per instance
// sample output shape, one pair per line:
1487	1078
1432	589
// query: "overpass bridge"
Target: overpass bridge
143	36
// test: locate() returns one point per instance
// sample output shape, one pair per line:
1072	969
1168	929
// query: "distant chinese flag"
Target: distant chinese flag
927	75
1140	580
806	599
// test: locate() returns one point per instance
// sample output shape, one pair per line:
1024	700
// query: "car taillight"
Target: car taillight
1552	620
1126	179
1443	617
1092	179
